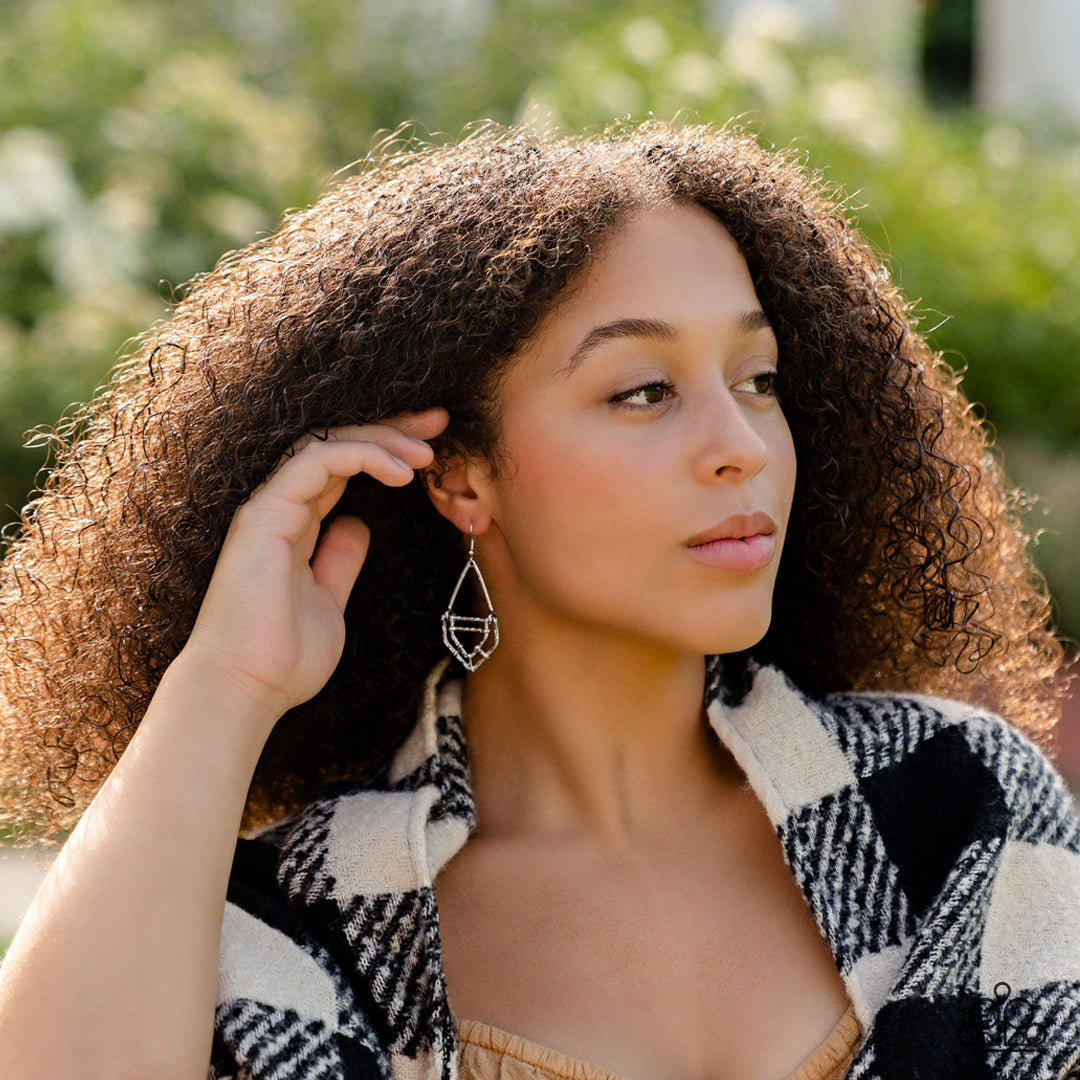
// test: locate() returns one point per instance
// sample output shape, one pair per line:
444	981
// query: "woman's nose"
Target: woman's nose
731	437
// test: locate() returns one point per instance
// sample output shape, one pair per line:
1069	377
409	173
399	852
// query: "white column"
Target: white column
882	34
1027	56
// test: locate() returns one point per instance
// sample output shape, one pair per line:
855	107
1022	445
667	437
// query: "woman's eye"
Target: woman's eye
763	383
650	394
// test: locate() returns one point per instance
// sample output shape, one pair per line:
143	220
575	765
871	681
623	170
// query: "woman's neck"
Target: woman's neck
591	737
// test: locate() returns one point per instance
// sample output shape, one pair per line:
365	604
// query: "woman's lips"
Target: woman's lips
736	553
740	542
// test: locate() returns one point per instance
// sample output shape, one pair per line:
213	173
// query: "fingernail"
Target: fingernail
403	464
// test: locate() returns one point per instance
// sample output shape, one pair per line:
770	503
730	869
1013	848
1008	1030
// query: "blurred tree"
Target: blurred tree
140	140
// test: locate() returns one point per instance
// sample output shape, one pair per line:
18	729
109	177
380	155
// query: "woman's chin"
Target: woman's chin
734	640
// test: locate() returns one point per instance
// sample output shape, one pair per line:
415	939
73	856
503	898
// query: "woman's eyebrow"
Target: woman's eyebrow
753	320
747	323
620	328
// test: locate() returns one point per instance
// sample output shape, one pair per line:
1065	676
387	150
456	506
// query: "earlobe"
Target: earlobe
457	491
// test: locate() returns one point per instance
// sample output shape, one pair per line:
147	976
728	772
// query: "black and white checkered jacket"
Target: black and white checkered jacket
935	845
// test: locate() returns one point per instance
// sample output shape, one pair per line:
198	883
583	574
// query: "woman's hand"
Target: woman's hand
271	622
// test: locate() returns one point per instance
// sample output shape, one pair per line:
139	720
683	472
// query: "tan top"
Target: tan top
487	1053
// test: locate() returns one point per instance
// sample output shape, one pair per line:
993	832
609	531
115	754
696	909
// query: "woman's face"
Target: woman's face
647	469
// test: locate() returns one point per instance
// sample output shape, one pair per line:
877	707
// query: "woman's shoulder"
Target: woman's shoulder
939	764
876	729
907	755
331	928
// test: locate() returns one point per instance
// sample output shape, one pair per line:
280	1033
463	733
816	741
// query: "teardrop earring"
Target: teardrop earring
484	629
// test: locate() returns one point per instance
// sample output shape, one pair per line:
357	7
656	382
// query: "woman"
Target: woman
691	837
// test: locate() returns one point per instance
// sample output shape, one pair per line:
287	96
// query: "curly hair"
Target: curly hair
412	284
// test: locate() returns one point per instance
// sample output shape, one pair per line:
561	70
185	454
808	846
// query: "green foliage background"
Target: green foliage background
139	140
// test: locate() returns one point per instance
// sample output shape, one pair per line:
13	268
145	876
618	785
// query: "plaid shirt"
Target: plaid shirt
936	847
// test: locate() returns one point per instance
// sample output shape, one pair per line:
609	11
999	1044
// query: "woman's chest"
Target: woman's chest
696	963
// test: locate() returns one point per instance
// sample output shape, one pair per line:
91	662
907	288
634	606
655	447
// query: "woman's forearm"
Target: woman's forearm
114	970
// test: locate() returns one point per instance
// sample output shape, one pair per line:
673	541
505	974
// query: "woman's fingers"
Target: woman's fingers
339	557
405	433
422	425
316	470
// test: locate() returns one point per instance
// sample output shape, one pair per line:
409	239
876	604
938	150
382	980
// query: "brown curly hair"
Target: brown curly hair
412	284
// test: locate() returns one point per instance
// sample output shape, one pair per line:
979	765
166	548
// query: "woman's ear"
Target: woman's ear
459	490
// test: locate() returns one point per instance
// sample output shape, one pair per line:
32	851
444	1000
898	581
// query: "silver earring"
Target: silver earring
483	630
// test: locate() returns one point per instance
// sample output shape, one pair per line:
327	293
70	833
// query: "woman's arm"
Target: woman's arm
114	970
